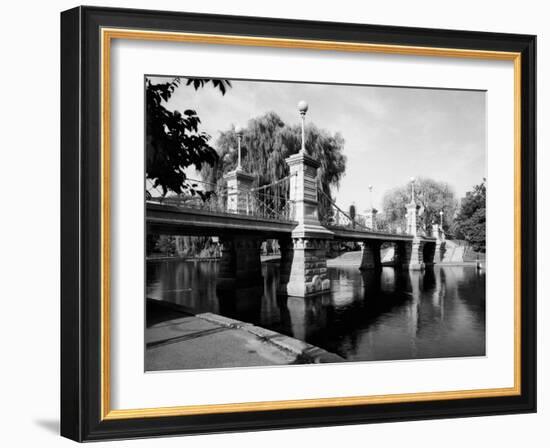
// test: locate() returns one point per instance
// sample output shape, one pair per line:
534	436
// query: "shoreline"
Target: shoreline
200	330
177	258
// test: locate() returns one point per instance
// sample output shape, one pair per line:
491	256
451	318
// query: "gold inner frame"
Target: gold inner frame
107	35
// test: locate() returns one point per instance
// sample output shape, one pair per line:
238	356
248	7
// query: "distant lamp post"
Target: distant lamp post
412	188
239	132
302	108
370	196
441	219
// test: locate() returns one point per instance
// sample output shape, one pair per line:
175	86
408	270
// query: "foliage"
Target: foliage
165	244
189	246
221	84
173	139
431	197
324	147
267	141
470	220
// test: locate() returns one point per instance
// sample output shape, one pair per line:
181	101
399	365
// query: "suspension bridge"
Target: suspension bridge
295	211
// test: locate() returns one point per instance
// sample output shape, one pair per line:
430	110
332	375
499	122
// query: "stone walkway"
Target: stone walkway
209	340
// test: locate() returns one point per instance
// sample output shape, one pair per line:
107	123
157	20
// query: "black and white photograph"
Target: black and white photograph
275	224
303	223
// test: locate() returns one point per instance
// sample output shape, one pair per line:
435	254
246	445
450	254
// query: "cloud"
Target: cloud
391	133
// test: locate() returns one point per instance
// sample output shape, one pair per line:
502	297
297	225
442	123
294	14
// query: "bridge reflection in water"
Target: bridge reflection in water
383	314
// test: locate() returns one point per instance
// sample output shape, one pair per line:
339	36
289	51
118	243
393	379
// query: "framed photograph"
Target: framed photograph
276	224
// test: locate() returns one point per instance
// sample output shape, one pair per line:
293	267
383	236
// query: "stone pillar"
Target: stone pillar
428	253
370	258
401	255
304	267
303	193
370	218
240	263
416	257
286	246
412	225
303	256
410	254
238	185
226	278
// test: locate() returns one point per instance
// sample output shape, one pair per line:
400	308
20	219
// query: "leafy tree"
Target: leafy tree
324	147
431	197
470	221
267	141
173	139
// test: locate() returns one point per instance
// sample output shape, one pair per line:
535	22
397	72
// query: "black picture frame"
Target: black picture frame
81	208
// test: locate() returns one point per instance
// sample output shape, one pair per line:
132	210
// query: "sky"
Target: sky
391	133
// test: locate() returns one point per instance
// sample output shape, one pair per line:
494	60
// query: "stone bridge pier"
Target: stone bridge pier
303	256
413	254
303	268
240	263
371	257
410	254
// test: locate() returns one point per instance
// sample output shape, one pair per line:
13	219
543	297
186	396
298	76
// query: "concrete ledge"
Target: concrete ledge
222	320
307	353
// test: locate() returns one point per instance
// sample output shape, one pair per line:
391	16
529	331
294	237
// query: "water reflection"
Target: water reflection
371	315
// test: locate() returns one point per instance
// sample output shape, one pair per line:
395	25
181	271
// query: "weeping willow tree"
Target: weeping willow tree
267	141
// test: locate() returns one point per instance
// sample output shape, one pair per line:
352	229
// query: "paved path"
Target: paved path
208	340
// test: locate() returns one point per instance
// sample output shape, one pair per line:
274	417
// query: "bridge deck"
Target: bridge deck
349	234
172	220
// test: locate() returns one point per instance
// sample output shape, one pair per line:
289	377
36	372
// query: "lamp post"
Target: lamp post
412	188
370	196
239	132
302	108
441	219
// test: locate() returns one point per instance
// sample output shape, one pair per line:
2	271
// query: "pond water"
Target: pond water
374	315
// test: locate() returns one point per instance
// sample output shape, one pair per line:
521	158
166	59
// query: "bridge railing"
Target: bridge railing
271	201
267	201
198	194
331	215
